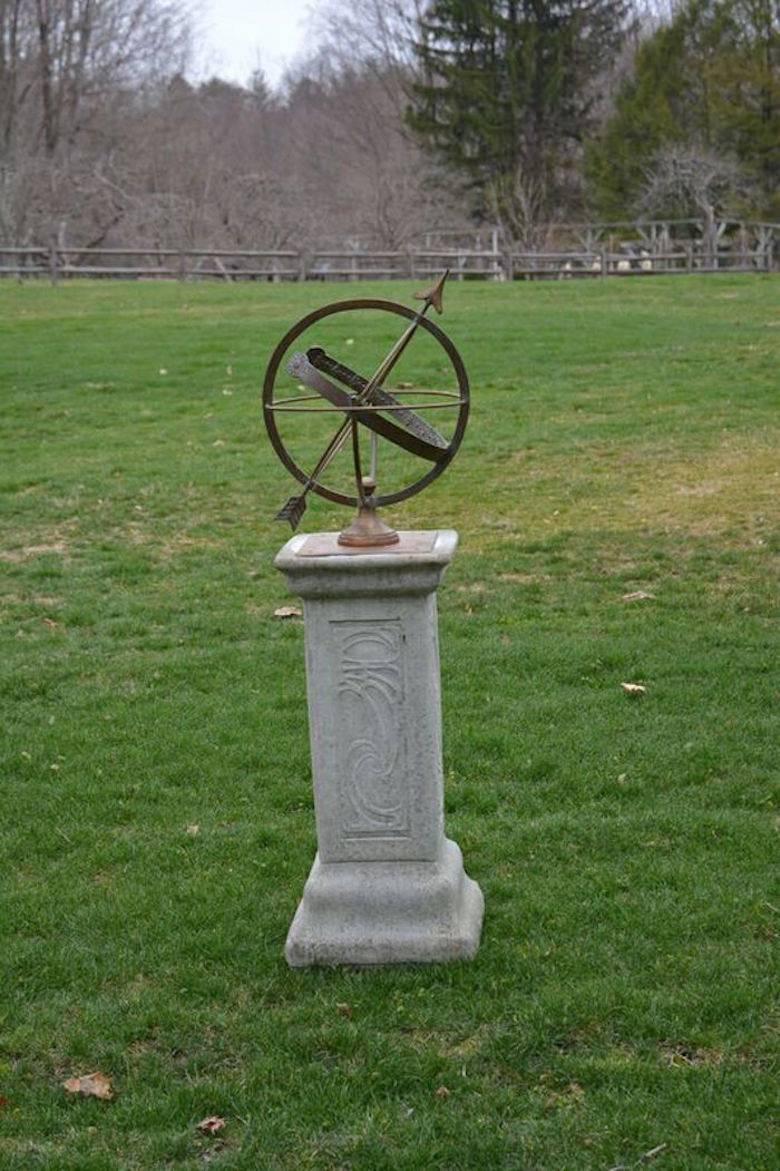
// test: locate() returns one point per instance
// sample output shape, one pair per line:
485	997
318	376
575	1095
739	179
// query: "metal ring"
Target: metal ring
342	307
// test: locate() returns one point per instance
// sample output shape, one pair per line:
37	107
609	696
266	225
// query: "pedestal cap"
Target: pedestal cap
316	566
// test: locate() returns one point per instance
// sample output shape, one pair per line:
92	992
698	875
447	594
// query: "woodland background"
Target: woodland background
405	118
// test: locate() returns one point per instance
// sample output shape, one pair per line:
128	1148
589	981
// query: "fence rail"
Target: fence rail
56	263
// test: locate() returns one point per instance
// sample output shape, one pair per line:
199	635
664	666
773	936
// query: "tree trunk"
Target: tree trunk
47	88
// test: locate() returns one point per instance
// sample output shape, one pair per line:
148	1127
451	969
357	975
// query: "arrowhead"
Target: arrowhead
434	294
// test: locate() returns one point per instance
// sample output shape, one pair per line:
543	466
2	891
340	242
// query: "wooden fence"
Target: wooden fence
56	263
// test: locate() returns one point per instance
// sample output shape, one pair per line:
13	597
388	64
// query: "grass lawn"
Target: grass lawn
157	821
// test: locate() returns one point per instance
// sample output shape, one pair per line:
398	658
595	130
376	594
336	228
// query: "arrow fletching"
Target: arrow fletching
292	511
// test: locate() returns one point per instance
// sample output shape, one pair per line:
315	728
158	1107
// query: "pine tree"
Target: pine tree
507	92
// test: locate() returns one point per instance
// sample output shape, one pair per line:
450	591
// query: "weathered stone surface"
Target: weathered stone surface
387	913
386	886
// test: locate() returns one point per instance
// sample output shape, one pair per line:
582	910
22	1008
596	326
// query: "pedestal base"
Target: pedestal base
386	886
364	913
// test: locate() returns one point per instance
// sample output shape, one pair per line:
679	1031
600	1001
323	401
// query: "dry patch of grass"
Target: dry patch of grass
728	489
524	578
16	556
689	1057
729	492
445	1044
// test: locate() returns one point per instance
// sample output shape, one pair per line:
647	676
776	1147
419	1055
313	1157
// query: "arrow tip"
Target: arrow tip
433	295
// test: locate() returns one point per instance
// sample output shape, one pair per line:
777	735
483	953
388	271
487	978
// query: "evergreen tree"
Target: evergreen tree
746	85
710	82
507	92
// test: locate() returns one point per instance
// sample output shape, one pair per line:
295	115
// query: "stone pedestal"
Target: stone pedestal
386	885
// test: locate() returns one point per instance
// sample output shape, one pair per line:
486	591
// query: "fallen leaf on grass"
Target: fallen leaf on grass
442	1092
638	596
288	612
211	1125
193	830
4	1102
344	1010
91	1085
633	688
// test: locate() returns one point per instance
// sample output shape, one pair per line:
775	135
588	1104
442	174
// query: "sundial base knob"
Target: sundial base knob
367	529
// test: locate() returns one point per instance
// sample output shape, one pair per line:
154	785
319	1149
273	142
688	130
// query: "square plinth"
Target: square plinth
366	913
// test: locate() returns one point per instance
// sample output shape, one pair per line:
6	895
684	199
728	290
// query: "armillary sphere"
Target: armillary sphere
372	407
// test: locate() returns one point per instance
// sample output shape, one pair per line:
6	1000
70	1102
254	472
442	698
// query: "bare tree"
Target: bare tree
693	180
72	72
516	203
75	53
353	151
15	76
377	34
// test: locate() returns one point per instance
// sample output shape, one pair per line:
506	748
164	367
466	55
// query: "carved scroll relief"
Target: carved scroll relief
374	800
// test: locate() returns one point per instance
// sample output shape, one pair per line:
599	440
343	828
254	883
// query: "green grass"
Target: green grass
623	438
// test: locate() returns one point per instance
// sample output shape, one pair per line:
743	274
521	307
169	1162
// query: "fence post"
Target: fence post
497	275
54	260
604	264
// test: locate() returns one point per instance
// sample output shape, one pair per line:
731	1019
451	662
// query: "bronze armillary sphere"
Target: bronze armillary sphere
370	407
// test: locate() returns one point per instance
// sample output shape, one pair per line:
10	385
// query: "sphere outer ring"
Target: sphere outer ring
342	307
